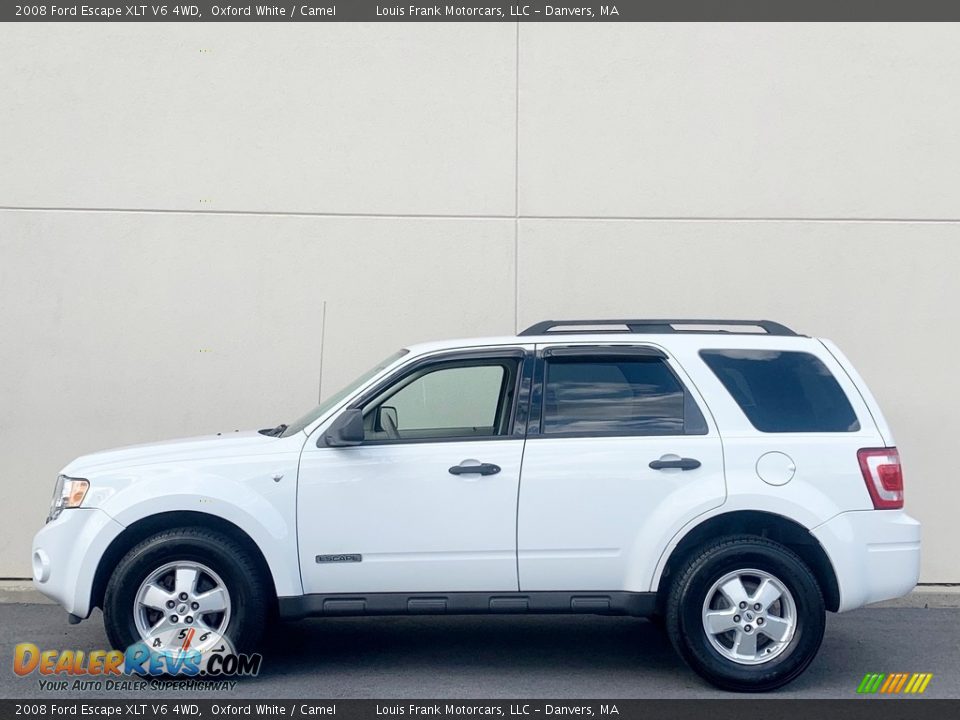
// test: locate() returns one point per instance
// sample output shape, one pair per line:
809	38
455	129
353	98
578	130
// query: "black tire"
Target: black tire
240	574
685	605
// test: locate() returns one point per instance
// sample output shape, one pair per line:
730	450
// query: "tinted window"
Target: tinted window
617	395
783	391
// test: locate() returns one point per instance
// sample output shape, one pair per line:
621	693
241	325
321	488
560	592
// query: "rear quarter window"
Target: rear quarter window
783	391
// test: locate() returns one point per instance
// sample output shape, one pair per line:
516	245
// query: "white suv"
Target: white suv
731	480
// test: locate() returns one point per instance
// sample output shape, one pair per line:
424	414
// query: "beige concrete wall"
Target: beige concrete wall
178	205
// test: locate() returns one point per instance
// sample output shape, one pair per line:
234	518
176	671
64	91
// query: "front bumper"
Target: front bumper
875	554
66	553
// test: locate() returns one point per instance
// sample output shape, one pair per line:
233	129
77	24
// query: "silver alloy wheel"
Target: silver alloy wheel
749	616
182	605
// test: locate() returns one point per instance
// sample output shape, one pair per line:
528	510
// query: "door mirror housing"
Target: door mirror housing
386	418
346	430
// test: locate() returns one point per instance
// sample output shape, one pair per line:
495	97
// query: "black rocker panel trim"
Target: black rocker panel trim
637	604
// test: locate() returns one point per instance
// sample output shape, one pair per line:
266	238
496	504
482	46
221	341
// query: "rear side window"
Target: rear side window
617	396
783	391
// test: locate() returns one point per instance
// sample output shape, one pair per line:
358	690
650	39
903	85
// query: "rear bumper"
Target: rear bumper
875	554
65	556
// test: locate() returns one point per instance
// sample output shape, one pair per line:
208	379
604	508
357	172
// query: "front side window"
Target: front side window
463	399
617	396
331	402
783	391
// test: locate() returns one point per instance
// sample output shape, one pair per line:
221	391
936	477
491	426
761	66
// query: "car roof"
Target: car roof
735	333
668	340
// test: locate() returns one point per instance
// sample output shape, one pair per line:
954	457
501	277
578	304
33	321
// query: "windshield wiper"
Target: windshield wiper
275	432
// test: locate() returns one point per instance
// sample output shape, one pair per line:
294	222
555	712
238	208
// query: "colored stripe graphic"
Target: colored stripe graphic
894	683
870	683
918	683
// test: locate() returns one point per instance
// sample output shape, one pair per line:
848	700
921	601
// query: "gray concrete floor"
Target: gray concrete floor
516	657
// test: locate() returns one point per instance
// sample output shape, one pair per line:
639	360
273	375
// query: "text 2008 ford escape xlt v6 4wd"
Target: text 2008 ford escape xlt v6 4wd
731	479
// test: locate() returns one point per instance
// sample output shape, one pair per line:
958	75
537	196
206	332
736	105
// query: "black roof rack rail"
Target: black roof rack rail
655	326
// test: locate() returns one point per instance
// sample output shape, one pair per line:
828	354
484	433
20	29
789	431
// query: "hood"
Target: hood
193	448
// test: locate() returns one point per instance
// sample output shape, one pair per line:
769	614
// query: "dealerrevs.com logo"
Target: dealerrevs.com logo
207	665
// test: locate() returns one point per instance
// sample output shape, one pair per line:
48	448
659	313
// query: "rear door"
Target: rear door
620	453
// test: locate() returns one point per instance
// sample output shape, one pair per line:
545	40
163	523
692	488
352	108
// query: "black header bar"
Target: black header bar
185	706
479	11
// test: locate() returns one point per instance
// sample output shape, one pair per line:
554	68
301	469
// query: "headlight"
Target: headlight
68	493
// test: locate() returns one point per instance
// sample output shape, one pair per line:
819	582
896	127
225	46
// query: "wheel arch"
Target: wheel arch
769	525
150	525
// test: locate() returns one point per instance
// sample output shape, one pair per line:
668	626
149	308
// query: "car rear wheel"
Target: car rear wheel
746	614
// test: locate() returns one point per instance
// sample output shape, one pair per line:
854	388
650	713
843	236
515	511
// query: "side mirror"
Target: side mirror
346	430
386	419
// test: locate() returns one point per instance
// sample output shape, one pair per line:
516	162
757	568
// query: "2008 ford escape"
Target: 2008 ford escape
731	479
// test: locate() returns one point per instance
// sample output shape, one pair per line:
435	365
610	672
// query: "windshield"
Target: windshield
298	425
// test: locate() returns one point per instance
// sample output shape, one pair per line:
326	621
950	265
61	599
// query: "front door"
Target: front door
620	457
428	501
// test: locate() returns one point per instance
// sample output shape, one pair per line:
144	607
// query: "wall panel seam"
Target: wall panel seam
494	216
516	185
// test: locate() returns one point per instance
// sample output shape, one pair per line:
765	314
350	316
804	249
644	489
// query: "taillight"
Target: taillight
884	478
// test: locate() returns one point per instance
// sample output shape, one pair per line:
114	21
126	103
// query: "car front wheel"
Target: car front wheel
186	587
